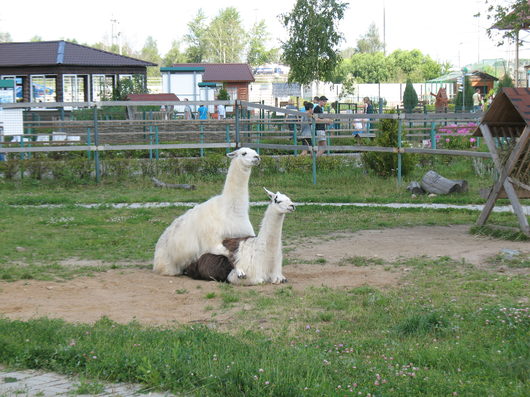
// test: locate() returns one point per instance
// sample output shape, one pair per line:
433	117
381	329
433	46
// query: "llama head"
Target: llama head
245	156
281	202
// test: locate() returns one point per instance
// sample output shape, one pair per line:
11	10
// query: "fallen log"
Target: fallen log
433	182
159	183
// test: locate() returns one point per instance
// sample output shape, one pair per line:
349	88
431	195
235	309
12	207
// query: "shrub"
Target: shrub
386	164
410	98
468	97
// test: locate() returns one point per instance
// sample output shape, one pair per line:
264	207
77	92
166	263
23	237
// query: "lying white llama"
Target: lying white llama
203	228
259	259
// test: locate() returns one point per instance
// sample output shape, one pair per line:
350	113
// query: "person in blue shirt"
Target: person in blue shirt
203	112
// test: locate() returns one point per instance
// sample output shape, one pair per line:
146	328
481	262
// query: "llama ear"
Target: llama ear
271	194
231	154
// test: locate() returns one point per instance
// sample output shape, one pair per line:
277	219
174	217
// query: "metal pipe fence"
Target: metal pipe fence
57	127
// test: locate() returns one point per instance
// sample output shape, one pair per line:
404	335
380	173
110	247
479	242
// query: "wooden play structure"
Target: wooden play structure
506	130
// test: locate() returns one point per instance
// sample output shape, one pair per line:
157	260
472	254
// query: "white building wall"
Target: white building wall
183	85
12	121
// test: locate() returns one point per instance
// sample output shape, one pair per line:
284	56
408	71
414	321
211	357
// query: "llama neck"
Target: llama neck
270	232
236	184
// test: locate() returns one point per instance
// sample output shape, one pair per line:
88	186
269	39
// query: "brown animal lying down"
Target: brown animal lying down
215	267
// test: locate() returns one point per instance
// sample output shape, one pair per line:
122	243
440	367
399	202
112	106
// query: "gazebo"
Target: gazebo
506	130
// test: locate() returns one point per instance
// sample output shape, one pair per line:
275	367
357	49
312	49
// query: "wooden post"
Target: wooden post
504	181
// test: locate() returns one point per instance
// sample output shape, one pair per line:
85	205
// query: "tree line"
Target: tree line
311	50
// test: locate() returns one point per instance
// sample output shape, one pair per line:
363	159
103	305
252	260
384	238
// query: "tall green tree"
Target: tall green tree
149	52
369	68
464	98
370	42
312	48
196	45
506	81
174	55
507	19
410	97
225	38
412	65
257	53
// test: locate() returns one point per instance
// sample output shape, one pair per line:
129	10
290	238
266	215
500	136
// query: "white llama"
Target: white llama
203	228
259	259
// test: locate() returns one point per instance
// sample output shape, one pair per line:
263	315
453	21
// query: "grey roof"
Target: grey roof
47	53
222	72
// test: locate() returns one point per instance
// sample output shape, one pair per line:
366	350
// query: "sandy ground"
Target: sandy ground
136	294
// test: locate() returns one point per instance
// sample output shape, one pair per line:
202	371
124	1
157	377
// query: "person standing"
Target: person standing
305	128
321	126
368	109
203	112
221	112
188	114
477	101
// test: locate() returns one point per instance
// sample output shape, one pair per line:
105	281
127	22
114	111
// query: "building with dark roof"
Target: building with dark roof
201	81
61	71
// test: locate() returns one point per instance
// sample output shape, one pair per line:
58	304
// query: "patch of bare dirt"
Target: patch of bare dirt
138	294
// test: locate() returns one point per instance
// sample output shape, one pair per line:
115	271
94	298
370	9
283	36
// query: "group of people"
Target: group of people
202	112
316	107
311	109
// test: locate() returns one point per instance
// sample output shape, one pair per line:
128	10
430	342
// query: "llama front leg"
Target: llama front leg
278	279
276	275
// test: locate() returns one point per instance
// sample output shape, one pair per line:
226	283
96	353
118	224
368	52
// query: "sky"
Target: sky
445	30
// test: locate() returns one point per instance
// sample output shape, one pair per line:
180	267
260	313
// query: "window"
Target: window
19	93
102	87
73	88
232	93
43	88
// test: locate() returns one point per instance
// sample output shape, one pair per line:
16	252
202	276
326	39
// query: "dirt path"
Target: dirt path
131	294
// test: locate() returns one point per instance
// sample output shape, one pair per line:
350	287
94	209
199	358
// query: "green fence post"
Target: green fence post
313	152
399	143
96	142
201	136
157	141
295	140
228	138
88	152
150	135
433	135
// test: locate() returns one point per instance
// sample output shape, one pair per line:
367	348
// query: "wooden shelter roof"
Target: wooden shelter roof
509	113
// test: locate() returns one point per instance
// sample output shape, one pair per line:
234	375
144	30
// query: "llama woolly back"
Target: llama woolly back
259	259
203	228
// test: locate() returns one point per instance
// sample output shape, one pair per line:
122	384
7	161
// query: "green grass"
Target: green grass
449	328
335	183
41	238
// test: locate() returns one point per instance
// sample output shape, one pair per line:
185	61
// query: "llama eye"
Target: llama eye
244	154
